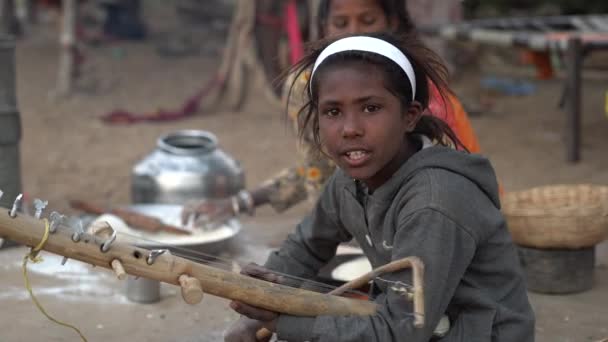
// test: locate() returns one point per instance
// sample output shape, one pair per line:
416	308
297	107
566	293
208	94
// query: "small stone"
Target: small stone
99	326
149	316
162	316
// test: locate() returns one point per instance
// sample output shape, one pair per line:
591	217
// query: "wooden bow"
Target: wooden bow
100	247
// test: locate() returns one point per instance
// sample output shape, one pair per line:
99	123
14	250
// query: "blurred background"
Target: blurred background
89	90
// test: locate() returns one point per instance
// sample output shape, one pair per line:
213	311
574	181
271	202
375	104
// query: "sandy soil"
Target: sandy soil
69	153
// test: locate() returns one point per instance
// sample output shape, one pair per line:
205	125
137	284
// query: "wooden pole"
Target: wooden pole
10	125
268	37
573	109
313	9
240	68
169	268
31	7
68	44
9	24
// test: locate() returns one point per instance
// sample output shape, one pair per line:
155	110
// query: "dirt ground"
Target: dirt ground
69	153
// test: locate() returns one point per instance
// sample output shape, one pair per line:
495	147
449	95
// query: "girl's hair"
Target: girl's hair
393	10
428	69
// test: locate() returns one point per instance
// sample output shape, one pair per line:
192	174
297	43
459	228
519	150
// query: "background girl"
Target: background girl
306	179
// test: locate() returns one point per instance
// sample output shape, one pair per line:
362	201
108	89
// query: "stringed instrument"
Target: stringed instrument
99	246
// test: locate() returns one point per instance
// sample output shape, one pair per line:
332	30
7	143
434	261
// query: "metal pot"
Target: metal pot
142	290
186	165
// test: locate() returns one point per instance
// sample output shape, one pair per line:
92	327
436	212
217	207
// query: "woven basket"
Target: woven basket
559	216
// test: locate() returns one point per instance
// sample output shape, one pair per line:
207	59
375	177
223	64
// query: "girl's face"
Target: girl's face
362	125
355	16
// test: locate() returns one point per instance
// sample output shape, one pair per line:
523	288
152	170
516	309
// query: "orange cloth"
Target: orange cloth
455	116
462	126
541	61
458	120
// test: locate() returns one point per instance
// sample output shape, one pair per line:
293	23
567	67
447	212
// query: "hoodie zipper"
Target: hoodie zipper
363	198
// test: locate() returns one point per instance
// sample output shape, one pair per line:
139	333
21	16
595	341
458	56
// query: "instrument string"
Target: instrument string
230	264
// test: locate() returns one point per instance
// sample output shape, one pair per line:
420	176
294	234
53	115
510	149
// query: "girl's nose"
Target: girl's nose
352	127
353	27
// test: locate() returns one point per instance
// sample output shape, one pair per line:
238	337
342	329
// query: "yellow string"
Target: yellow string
33	256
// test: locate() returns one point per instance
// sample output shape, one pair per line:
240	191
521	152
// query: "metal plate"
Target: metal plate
171	214
352	269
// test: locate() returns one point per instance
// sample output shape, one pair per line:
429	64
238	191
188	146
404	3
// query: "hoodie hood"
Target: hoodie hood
474	167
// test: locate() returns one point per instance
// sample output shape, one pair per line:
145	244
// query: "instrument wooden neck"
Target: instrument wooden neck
168	268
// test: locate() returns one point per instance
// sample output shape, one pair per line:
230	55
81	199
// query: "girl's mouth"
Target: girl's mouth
356	158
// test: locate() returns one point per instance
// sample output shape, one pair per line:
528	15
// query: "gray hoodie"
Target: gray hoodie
441	206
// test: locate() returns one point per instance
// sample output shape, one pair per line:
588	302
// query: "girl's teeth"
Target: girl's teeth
356	154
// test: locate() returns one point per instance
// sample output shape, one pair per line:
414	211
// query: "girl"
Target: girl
398	195
293	185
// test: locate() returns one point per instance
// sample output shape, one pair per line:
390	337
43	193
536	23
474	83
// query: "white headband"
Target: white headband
373	45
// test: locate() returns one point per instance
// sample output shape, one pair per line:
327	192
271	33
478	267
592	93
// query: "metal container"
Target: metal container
186	165
142	290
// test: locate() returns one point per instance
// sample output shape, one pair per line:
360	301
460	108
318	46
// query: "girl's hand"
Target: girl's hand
209	211
267	318
243	330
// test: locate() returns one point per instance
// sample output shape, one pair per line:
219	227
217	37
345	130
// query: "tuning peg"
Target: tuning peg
39	206
101	229
155	253
76	225
192	292
104	231
56	219
119	270
16	204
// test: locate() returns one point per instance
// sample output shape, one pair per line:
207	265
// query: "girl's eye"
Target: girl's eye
369	20
331	112
339	22
371	108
